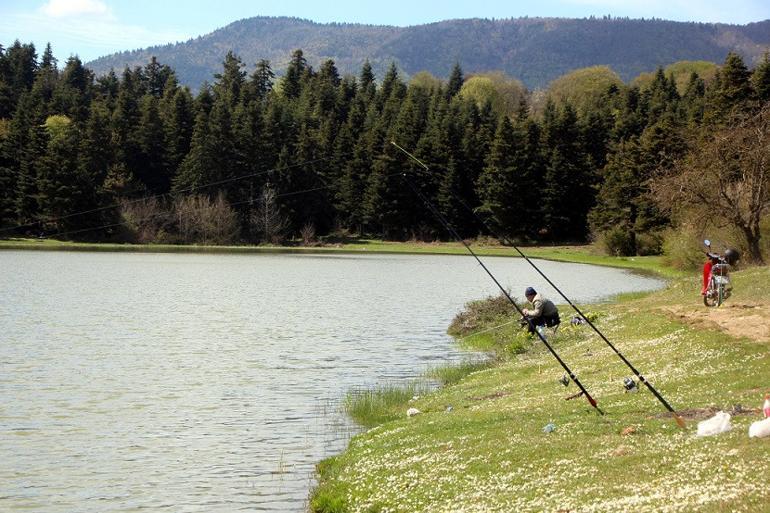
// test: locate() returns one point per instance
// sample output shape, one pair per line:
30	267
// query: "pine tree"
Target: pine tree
261	82
366	80
125	120
231	82
199	165
178	117
568	188
291	86
455	80
21	67
151	163
730	92
506	187
63	190
693	99
46	82
760	79
73	94
157	77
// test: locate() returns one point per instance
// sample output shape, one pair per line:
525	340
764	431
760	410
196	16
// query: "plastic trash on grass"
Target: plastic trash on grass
719	423
760	429
411	412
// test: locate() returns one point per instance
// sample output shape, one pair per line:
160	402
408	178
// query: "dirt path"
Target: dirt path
739	319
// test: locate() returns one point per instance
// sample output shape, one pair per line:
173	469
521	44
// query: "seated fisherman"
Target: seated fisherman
542	313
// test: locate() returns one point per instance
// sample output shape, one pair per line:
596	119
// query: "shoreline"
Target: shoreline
578	254
489	452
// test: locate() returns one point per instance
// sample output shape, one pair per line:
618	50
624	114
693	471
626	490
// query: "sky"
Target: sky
92	28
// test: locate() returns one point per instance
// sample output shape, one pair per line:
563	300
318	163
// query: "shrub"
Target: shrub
618	241
147	220
479	314
206	221
682	248
649	244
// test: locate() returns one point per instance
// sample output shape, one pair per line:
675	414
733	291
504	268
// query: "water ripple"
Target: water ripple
135	382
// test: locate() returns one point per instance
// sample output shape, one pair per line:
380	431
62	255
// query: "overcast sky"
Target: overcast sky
91	28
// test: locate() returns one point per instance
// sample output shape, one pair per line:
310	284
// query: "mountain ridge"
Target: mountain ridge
535	50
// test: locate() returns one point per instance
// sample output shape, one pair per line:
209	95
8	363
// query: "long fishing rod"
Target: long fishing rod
456	235
638	374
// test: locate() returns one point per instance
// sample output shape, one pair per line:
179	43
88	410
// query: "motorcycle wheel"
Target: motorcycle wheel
711	298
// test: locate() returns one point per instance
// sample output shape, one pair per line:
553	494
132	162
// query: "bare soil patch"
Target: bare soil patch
739	319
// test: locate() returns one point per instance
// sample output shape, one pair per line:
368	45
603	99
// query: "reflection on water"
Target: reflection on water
212	382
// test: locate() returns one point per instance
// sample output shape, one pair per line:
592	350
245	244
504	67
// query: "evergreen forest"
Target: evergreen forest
251	158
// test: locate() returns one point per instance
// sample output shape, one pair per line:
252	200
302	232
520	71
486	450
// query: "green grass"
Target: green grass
489	452
586	254
453	373
372	406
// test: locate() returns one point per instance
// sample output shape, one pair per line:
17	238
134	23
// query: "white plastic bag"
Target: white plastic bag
411	412
719	423
759	429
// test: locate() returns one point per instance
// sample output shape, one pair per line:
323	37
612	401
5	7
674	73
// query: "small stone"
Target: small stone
630	430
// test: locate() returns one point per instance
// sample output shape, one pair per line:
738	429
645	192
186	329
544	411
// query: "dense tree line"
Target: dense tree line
319	144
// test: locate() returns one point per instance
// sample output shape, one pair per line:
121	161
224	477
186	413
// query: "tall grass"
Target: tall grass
373	406
451	374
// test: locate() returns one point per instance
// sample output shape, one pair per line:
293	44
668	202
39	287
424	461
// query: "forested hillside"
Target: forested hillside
138	157
533	50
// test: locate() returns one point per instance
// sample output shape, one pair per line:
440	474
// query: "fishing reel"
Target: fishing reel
564	380
630	385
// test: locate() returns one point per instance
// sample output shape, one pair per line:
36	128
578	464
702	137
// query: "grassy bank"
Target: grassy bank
489	452
585	254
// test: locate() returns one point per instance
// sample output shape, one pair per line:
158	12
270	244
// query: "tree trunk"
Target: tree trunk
752	242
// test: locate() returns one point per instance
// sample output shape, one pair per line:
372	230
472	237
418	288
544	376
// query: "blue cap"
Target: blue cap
530	292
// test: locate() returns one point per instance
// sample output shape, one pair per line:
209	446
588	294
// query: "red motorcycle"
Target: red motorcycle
716	275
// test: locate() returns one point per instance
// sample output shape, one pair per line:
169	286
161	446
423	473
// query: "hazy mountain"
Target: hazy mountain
534	50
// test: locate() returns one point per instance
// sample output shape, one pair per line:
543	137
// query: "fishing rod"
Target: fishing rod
620	355
456	235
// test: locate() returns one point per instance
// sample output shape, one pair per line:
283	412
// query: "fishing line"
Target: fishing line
172	193
160	214
652	389
456	235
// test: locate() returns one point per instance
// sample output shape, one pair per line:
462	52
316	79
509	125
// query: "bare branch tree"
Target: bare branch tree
267	219
725	180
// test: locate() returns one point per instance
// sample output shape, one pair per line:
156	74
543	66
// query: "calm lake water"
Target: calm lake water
212	383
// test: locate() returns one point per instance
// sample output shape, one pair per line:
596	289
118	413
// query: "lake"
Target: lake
212	383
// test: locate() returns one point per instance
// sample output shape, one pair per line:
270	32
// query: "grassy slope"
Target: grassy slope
578	254
490	453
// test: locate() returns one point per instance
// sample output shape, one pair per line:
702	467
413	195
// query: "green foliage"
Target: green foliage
57	126
618	241
683	248
479	313
453	373
321	141
584	88
681	72
503	93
